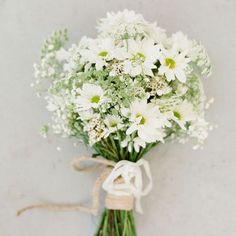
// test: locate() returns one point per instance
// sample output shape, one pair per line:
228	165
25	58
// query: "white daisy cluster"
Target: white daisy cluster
126	90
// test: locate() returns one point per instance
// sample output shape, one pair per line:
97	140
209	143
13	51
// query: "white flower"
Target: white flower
118	24
183	113
145	119
73	59
117	69
98	53
91	96
164	89
101	51
142	57
95	129
86	115
199	129
181	43
55	103
199	55
156	33
158	86
181	89
85	42
138	142
113	123
62	55
127	143
173	66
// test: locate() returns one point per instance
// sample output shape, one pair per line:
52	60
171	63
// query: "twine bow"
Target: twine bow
131	183
122	181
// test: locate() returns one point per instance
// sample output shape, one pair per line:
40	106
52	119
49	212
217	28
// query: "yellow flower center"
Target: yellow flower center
139	57
113	124
177	115
103	54
95	99
170	63
142	120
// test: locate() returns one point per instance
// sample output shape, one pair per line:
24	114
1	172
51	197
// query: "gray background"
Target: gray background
194	192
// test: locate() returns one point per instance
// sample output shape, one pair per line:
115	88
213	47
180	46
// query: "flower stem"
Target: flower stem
116	223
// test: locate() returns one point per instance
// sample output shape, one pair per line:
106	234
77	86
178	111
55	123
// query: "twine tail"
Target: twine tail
73	207
115	181
58	207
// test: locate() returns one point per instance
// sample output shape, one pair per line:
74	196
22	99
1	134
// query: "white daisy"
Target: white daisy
142	57
100	51
145	119
157	33
113	123
174	66
183	113
127	143
181	43
138	143
90	96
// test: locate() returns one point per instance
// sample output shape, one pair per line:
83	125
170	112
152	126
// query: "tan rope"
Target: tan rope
76	163
119	202
112	202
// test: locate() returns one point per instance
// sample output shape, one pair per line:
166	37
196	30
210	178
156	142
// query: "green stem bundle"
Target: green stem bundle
116	223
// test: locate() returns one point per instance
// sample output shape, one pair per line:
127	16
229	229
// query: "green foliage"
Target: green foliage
55	42
44	130
195	93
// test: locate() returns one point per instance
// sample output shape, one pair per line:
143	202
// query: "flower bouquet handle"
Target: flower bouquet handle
123	183
122	93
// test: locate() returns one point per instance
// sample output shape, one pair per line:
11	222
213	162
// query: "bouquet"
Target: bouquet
123	93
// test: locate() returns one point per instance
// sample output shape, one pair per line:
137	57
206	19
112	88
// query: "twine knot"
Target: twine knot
126	182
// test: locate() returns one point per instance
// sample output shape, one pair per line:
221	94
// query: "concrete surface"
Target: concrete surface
194	192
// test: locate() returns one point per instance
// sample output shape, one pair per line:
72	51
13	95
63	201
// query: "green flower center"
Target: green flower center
142	121
113	124
103	54
177	115
95	99
139	57
170	63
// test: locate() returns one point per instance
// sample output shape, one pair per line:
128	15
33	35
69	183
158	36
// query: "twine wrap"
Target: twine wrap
122	181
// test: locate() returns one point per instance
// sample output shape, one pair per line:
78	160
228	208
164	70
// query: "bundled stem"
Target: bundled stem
111	149
116	223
